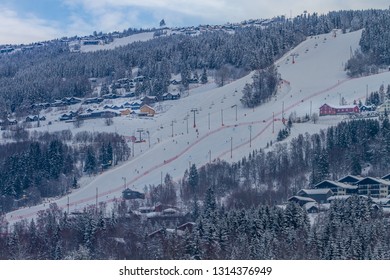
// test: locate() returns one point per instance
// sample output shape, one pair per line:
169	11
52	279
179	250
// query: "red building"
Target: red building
338	110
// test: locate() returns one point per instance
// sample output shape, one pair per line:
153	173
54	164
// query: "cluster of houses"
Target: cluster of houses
110	110
66	101
9	49
319	197
326	109
7	121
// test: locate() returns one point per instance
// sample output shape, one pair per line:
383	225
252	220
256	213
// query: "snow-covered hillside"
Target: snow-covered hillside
224	128
118	42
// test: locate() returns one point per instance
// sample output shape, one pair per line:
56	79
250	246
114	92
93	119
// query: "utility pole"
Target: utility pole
97	191
311	103
209	120
194	110
140	130
231	147
124	180
250	136
132	145
235	105
273	122
148	137
186	118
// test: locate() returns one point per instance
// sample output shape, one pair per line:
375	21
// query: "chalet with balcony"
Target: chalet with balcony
373	187
337	188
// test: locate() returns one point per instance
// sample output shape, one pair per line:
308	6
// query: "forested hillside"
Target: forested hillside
52	71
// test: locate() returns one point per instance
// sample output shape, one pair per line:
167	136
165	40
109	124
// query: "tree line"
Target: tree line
351	229
50	164
53	72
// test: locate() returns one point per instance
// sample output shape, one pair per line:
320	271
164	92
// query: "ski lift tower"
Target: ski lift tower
140	130
293	55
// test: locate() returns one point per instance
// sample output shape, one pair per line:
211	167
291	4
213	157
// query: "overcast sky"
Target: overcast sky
26	21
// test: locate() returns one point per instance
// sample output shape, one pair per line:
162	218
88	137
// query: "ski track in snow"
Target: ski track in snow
313	87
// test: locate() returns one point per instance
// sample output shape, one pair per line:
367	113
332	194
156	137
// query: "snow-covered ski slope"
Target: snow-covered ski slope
316	77
119	42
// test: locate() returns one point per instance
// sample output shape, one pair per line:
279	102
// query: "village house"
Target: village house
35	118
319	195
337	188
312	207
384	107
148	100
350	179
338	110
147	110
135	105
126	112
373	187
367	108
171	96
301	200
386	177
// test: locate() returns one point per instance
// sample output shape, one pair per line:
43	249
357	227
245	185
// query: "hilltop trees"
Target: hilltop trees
264	86
48	166
53	72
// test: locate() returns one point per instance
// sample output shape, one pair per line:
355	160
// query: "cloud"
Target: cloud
82	17
225	10
15	29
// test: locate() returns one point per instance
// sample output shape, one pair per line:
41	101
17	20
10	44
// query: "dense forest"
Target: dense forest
350	229
374	47
47	165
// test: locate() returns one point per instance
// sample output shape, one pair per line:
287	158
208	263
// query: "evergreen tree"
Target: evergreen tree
203	78
90	165
193	179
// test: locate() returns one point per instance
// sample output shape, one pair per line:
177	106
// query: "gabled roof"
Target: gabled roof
336	184
352	178
340	106
315	191
147	106
371	180
301	198
381	201
341	197
310	205
386	177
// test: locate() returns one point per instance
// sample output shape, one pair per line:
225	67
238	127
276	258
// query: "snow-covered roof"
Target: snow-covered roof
355	177
337	184
381	201
301	198
315	191
341	197
310	205
341	106
377	180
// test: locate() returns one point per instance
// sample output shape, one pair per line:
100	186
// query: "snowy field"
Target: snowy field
118	42
316	77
